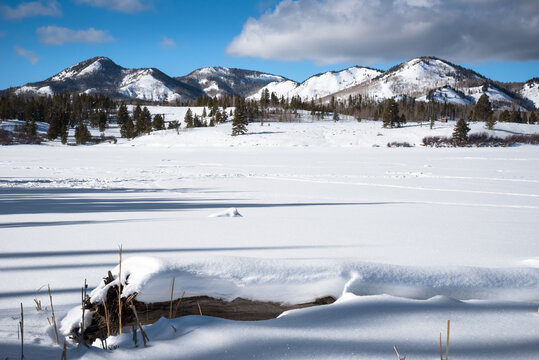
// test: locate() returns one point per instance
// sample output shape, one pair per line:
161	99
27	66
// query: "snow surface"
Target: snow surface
447	95
45	90
93	67
407	238
530	91
143	85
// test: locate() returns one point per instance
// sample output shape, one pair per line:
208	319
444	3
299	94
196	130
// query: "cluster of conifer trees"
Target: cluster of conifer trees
73	110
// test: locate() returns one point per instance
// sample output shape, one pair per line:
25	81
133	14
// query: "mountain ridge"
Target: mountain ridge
420	78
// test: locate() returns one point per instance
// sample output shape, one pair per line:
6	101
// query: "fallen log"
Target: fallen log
106	322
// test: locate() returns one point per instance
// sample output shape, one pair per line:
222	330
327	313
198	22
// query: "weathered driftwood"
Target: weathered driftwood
105	321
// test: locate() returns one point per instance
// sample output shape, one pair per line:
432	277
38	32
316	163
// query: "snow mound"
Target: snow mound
297	281
232	212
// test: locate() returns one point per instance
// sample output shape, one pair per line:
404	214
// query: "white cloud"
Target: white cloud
29	9
167	43
368	31
29	55
56	35
126	6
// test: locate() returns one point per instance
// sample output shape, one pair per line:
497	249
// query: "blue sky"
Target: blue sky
295	39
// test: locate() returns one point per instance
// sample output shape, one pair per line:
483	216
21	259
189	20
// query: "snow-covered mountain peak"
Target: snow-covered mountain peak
86	68
219	81
323	84
530	90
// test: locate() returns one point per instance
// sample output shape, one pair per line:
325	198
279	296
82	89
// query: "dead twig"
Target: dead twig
53	317
171	297
447	343
199	309
178	305
106	317
120	293
399	357
142	332
21	326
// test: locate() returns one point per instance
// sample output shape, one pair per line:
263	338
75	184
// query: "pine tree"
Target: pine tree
63	134
515	117
391	113
102	120
143	124
123	114
402	120
204	114
504	116
491	121
483	108
128	129
82	135
188	119
239	123
136	113
158	122
335	116
460	133
525	118
533	118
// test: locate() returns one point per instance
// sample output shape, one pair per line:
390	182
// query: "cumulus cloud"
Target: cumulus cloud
126	6
368	31
29	55
167	43
56	35
29	9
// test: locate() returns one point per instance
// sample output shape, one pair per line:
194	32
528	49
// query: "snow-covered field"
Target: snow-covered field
406	238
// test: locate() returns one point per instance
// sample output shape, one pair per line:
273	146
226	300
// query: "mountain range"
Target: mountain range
423	78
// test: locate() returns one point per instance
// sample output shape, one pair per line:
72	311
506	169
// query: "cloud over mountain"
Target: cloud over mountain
29	9
126	6
332	31
57	35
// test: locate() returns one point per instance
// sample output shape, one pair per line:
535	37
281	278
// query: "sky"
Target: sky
292	38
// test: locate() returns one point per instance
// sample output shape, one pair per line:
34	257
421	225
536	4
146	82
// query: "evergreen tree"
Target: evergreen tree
525	118
123	114
143	124
504	116
402	120
128	129
204	114
82	135
335	116
515	117
188	119
158	122
239	123
491	121
460	133
533	118
482	109
136	113
29	127
63	134
391	113
102	120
